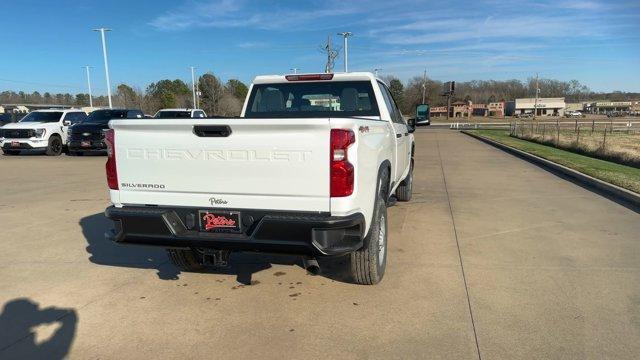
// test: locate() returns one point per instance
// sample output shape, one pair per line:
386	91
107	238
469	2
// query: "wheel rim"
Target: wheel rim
55	145
381	240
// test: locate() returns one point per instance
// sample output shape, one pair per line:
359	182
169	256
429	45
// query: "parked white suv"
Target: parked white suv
180	114
40	130
309	168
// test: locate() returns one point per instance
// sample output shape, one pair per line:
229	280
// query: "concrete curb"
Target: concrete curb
614	192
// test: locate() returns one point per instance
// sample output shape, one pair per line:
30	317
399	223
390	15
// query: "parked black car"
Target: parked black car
89	134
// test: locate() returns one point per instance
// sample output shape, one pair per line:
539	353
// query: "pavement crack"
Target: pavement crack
455	232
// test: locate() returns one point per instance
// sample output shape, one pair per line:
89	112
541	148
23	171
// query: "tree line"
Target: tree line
226	99
409	94
215	97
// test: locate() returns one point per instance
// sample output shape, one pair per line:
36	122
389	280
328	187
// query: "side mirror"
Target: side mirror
66	123
411	124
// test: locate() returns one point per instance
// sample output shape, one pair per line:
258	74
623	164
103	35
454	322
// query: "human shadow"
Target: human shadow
18	334
243	264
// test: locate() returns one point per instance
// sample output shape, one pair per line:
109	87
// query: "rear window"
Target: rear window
312	99
169	114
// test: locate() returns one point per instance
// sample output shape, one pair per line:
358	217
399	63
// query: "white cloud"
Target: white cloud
238	14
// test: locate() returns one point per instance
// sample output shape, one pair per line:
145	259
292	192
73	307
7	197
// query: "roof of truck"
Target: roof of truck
350	76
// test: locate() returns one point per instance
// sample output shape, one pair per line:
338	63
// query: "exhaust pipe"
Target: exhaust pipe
311	265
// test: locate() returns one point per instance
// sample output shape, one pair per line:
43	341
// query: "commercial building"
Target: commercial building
437	111
543	107
604	107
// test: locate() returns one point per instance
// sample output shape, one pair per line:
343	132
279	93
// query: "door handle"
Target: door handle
212	130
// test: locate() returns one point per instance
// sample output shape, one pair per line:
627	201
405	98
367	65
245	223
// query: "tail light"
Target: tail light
112	172
341	168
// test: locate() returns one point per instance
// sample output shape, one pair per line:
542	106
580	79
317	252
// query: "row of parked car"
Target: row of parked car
55	131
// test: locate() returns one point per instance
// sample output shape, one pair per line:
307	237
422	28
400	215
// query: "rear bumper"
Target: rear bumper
262	231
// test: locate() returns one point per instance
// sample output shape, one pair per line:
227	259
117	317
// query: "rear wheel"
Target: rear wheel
368	264
185	259
54	148
405	189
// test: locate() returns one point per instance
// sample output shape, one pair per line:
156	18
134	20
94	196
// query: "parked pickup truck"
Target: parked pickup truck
308	168
40	130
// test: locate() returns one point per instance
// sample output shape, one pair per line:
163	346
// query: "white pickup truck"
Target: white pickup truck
308	168
44	130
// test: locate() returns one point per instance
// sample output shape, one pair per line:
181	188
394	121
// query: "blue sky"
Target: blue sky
45	43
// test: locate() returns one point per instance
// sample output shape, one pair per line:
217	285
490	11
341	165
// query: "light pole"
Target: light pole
295	70
346	35
193	87
89	84
106	63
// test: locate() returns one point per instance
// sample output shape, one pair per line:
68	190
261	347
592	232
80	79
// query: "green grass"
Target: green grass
624	176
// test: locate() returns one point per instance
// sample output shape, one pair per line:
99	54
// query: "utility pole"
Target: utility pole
424	86
331	55
345	36
193	87
106	63
89	84
295	70
535	106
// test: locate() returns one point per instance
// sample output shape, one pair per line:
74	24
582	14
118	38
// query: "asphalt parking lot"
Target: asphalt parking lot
494	258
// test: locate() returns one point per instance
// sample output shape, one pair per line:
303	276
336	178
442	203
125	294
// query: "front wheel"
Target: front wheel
369	263
54	148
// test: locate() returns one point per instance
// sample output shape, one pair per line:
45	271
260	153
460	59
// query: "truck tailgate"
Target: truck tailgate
277	164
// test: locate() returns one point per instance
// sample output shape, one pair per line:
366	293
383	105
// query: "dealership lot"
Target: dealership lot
493	257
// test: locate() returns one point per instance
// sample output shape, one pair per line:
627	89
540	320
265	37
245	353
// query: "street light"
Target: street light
345	35
106	63
89	84
193	88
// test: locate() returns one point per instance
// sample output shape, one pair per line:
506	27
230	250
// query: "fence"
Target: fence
608	140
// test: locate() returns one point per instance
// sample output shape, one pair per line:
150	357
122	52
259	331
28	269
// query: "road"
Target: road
494	258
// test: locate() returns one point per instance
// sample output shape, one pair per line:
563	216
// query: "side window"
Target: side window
80	117
134	114
199	114
74	117
396	116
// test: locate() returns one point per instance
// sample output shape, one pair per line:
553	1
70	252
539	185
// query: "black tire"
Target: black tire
405	189
185	259
11	152
368	264
54	148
